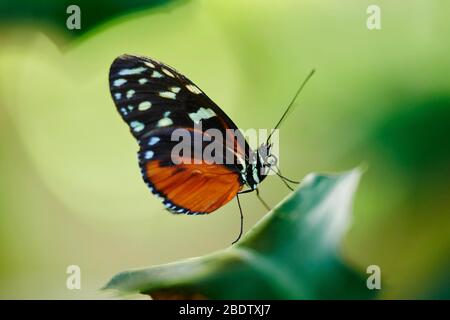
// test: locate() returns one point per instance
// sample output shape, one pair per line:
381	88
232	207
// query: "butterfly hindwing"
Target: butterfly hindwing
184	181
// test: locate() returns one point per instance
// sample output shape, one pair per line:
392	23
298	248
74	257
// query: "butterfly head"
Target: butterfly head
265	160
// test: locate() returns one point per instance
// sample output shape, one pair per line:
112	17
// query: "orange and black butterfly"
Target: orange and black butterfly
155	100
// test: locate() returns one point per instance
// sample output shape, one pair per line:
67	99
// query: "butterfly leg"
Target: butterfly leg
242	219
240	209
262	201
259	197
246	191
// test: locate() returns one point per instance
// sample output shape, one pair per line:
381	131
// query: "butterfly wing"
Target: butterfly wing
154	100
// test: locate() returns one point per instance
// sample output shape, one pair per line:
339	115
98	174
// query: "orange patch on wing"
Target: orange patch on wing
196	187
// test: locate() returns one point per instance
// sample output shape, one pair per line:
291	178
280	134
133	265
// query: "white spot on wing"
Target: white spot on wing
126	72
167	94
156	74
149	154
153	141
137	126
144	105
164	122
192	88
117	95
119	82
143	80
149	64
201	114
175	89
130	93
170	74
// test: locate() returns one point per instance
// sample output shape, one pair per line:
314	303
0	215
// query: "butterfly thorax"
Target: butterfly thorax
259	166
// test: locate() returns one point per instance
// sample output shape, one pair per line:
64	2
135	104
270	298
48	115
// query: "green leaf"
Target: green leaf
53	12
292	253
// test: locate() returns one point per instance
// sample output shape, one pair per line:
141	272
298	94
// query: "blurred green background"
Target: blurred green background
70	188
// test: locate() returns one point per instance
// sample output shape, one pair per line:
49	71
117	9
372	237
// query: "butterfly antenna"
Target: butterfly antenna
289	108
242	220
283	177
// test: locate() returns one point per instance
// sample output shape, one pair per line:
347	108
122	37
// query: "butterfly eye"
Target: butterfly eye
271	160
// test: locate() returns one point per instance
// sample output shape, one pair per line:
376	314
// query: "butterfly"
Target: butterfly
155	100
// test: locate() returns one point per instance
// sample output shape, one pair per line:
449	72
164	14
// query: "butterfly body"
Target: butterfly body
155	101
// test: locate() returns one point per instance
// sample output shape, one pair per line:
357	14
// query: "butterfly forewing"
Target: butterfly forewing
149	94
